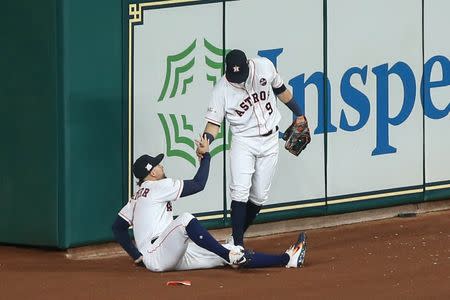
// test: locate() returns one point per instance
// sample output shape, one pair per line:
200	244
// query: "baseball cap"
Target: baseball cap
236	66
145	164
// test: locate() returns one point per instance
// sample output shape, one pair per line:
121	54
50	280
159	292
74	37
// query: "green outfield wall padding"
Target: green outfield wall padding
28	120
442	194
62	118
92	47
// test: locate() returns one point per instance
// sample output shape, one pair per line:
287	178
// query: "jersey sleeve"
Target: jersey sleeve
216	108
276	78
127	211
168	190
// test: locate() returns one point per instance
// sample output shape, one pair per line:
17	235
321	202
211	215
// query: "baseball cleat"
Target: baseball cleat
297	252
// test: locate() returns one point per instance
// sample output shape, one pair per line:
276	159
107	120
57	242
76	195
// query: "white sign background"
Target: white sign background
166	32
371	33
437	132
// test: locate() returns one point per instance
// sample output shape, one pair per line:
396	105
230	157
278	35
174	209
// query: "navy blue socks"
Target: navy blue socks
199	235
252	211
242	216
238	221
261	260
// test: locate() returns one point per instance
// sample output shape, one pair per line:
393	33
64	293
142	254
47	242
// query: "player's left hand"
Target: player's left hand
139	262
202	146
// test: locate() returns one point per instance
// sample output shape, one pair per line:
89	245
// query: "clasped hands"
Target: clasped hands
202	146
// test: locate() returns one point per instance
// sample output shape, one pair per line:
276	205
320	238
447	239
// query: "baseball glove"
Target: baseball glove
297	137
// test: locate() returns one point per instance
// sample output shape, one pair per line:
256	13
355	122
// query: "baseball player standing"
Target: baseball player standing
246	97
164	243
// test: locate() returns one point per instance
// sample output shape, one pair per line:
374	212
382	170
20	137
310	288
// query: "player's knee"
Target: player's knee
239	195
259	199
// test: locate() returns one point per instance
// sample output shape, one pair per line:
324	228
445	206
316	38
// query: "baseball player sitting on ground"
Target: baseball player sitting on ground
165	244
245	96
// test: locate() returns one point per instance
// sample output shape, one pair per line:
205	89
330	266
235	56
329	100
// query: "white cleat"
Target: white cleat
297	252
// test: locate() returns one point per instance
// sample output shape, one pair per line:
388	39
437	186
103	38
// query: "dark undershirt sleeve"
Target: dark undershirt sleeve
120	231
198	183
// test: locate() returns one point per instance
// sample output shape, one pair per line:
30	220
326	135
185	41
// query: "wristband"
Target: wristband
209	136
293	106
279	90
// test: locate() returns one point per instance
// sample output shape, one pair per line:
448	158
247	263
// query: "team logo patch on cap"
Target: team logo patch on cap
148	167
263	81
236	69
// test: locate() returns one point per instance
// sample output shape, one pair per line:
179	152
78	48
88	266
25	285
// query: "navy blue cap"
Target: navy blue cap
145	164
236	66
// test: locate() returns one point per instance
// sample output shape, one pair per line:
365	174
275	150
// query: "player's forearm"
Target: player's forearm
198	183
212	129
120	231
287	98
201	177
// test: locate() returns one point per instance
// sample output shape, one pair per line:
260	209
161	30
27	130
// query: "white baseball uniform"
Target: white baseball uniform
251	110
164	242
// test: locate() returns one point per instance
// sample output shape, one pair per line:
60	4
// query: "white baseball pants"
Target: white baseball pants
253	163
173	250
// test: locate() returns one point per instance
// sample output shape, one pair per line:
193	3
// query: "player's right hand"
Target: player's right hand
202	146
300	119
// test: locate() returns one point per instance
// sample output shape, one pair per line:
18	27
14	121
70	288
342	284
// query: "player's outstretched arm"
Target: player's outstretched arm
198	183
120	231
